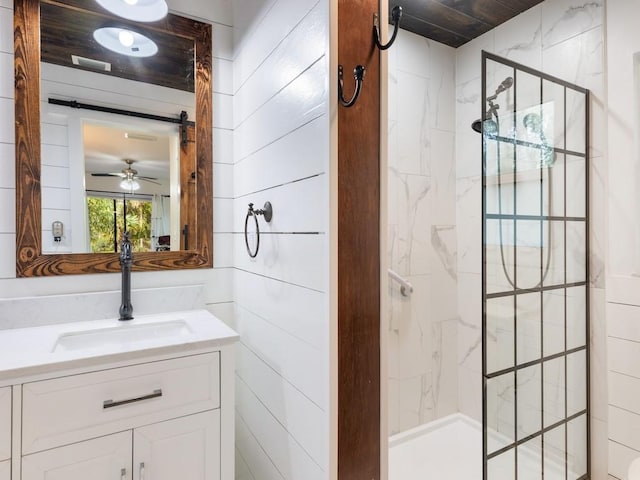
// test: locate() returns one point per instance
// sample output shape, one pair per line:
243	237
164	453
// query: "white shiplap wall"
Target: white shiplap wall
281	154
623	282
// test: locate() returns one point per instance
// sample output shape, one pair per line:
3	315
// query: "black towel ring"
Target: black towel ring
358	74
396	15
267	213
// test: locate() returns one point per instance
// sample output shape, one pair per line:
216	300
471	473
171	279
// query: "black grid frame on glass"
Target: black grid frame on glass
535	305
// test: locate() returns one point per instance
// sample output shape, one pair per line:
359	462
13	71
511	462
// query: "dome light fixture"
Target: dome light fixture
125	42
137	10
130	185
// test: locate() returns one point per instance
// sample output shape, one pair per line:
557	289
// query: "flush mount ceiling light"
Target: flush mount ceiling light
137	10
125	42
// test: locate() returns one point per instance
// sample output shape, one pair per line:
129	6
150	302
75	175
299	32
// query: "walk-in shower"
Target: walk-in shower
535	295
488	357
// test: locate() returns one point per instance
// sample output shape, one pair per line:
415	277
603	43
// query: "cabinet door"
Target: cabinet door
5	423
104	458
187	447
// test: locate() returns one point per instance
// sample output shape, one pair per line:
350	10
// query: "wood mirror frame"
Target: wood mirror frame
30	261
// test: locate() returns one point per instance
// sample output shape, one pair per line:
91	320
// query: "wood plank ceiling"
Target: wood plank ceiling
455	22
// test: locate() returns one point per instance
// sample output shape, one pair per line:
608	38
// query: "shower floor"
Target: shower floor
451	449
446	449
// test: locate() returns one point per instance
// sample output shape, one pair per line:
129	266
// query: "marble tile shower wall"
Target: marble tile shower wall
422	232
564	38
45	300
281	155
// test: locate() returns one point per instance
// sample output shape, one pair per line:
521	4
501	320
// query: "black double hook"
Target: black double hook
358	74
396	15
359	71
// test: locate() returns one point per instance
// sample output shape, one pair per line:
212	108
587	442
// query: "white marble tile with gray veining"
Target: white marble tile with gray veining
412	220
520	39
442	89
413	132
469	224
444	245
468	142
563	19
469	57
443	177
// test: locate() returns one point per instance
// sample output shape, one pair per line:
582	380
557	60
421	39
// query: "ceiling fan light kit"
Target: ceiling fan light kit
129	184
137	10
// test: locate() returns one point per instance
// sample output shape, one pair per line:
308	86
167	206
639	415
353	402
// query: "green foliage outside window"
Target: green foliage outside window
101	223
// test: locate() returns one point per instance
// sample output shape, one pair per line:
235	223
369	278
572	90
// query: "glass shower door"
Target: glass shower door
535	270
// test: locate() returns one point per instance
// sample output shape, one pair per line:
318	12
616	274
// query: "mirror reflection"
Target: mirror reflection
128	187
104	172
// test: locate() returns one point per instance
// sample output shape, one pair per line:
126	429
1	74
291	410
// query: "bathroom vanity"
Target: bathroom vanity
151	398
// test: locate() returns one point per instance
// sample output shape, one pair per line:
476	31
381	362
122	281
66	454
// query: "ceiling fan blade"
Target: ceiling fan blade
144	179
121	175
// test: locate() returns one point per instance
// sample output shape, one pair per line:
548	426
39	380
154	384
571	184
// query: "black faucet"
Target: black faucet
126	259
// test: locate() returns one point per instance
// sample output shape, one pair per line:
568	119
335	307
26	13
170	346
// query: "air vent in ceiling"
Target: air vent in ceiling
91	63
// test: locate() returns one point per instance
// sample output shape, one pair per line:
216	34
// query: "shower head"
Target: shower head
490	127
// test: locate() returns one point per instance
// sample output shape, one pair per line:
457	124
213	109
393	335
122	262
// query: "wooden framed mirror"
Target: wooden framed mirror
30	259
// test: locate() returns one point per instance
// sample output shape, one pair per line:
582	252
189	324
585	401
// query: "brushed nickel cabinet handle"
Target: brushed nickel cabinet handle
110	403
142	471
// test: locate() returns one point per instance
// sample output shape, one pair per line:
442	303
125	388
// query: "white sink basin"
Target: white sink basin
122	335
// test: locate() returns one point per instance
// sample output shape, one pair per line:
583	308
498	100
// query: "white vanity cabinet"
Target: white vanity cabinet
155	420
148	408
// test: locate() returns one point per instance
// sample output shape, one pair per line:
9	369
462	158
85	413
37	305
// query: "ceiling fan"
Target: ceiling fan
129	176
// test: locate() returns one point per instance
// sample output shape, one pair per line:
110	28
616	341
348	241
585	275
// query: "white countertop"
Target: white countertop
31	352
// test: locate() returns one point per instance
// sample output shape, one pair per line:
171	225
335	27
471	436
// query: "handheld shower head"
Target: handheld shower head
506	84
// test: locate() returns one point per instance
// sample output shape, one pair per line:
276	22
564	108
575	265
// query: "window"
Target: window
110	217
